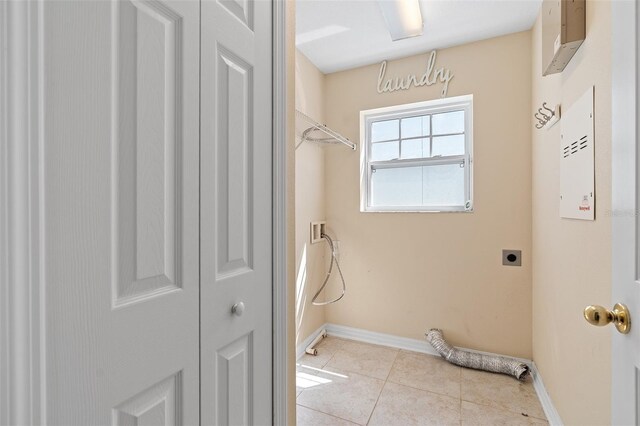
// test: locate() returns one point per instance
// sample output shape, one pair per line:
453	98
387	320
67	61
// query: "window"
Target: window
417	157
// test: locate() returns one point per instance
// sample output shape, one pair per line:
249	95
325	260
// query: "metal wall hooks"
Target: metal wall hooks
546	116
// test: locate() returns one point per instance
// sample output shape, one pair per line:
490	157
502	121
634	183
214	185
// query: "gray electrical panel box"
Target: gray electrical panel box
563	31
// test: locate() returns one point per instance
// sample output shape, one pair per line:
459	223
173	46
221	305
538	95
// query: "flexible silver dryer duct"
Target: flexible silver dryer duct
493	363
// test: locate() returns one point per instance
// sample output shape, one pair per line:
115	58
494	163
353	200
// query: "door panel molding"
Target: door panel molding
22	337
146	105
243	10
235	146
235	361
158	405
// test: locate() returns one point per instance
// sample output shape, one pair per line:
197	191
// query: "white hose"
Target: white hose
326	280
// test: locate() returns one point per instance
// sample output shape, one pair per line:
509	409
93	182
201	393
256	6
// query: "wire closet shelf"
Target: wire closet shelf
309	130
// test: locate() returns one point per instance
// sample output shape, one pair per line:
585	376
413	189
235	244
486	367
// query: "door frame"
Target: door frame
22	326
625	22
22	288
279	166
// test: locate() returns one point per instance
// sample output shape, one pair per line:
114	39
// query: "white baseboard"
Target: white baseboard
382	339
423	346
545	400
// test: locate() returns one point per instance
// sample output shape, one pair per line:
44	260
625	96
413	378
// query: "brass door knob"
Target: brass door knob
619	316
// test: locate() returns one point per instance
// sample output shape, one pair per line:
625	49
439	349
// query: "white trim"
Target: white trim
380	339
423	346
306	342
367	117
4	225
545	400
22	337
280	294
446	104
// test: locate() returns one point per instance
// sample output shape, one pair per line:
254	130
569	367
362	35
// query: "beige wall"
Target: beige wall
409	272
310	201
572	259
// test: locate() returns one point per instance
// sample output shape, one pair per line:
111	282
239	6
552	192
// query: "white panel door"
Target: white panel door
236	188
120	185
625	383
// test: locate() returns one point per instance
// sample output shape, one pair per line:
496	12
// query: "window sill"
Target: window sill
393	210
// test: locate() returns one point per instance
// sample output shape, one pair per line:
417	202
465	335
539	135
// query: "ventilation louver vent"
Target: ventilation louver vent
576	146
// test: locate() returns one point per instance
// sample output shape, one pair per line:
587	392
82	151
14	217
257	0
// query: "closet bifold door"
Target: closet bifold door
236	212
120	176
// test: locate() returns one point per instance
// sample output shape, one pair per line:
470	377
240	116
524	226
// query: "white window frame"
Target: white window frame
458	103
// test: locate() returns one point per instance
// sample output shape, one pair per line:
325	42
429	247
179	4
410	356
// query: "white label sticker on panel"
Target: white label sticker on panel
577	175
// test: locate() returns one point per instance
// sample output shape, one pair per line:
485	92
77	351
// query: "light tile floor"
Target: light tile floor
354	383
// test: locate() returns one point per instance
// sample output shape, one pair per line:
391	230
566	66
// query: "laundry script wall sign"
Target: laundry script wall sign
430	77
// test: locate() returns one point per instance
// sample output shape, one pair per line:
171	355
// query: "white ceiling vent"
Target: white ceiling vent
577	181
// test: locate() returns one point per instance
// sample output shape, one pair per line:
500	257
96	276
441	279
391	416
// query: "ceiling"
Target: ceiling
342	34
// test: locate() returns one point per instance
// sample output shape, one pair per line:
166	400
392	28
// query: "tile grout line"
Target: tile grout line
376	403
364	373
506	410
395	358
328	360
332	415
420	389
326	414
386	380
499	408
322	369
